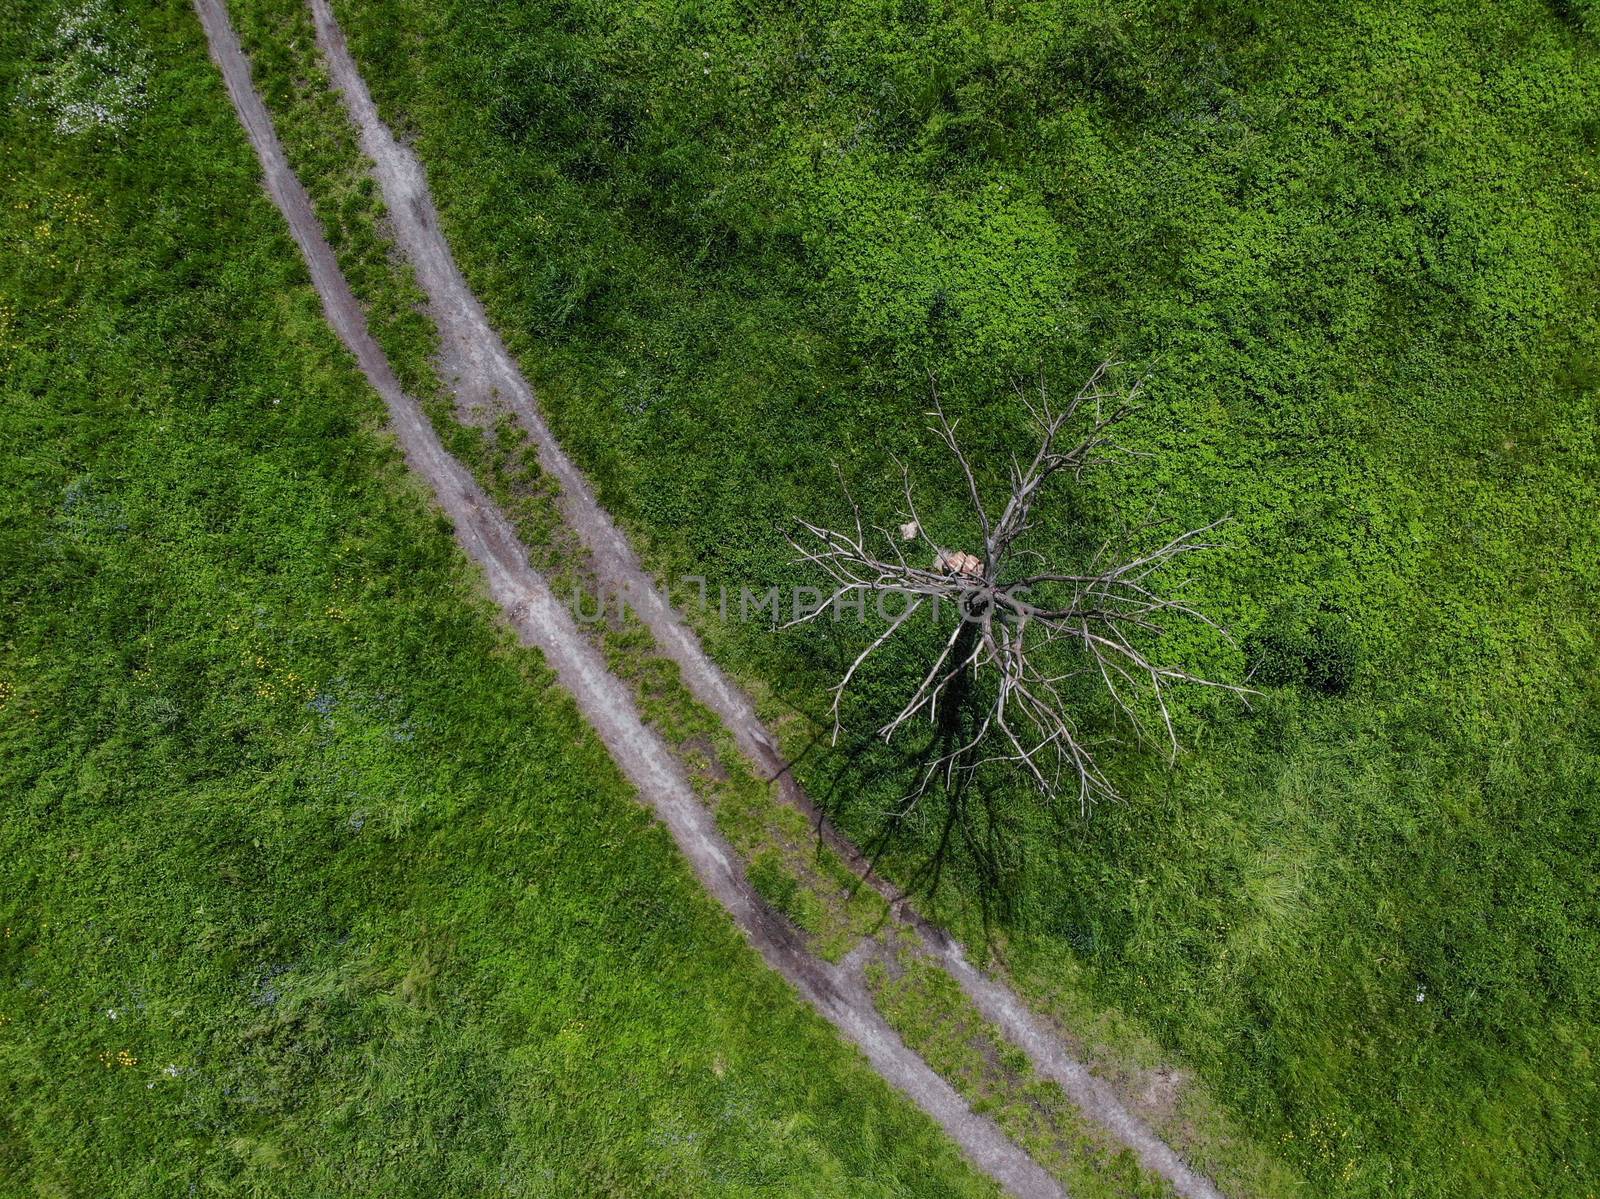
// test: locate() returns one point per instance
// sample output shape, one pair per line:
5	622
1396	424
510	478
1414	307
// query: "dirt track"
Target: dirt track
838	994
477	365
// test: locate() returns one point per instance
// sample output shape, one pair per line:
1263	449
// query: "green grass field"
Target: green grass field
1354	249
310	882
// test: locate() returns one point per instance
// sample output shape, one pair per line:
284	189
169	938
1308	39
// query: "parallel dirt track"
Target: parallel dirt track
838	993
485	379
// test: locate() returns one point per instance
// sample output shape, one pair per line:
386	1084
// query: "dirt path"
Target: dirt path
838	994
477	365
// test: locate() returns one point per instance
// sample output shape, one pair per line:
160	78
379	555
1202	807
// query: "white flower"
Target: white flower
95	72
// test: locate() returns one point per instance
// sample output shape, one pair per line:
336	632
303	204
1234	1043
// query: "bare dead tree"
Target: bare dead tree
1022	635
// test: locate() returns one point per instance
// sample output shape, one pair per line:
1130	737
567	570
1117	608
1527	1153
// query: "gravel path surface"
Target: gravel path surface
476	364
838	993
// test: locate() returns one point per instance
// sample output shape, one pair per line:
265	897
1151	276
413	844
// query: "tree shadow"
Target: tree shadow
947	818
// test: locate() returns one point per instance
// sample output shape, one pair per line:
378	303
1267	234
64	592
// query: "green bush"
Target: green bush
1278	652
1331	663
1582	15
1318	651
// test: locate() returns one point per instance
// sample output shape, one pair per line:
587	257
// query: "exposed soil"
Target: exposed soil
838	993
700	746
